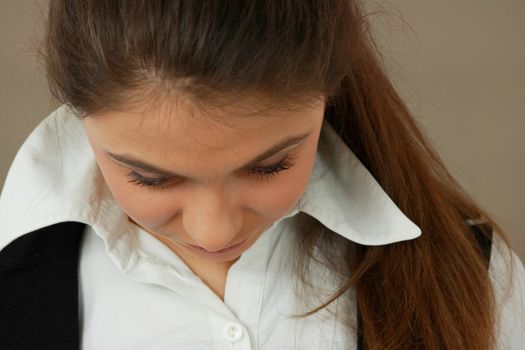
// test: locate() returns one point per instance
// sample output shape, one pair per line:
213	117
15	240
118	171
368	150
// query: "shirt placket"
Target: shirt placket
244	293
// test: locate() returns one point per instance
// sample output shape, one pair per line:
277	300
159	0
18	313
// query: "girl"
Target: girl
240	175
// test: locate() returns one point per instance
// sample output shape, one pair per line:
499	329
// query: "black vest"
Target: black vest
39	288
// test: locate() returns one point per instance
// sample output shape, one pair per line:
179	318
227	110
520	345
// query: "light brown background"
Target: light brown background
459	64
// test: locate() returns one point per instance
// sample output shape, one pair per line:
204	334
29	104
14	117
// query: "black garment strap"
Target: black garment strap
484	242
39	289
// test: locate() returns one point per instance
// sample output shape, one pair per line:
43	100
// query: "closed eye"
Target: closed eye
262	173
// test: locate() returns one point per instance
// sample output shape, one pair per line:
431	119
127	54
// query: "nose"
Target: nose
213	219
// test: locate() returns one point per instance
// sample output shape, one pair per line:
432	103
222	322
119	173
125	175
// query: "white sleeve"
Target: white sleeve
510	296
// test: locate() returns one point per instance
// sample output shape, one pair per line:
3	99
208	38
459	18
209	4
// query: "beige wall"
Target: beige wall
460	64
460	68
24	97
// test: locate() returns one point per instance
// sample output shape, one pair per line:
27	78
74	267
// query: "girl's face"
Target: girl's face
190	180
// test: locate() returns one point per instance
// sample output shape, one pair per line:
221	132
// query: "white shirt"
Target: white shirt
137	294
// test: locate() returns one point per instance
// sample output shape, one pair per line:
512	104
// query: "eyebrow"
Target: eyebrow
150	168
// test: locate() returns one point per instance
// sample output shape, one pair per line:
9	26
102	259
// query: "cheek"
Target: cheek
149	208
276	197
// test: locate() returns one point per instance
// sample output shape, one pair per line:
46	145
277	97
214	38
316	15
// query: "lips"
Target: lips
222	251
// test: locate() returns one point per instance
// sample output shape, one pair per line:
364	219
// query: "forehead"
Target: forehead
183	127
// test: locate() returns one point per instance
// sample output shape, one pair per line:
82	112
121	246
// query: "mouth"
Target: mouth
219	252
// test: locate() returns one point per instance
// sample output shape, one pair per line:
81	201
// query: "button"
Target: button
232	332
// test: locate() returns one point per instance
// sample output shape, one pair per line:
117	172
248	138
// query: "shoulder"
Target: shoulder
52	179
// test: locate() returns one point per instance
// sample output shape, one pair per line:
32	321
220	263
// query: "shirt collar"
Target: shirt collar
346	198
55	178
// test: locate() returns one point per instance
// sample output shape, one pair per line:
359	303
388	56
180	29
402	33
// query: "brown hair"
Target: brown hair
433	292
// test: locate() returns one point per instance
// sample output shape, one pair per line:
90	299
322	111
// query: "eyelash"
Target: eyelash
262	173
